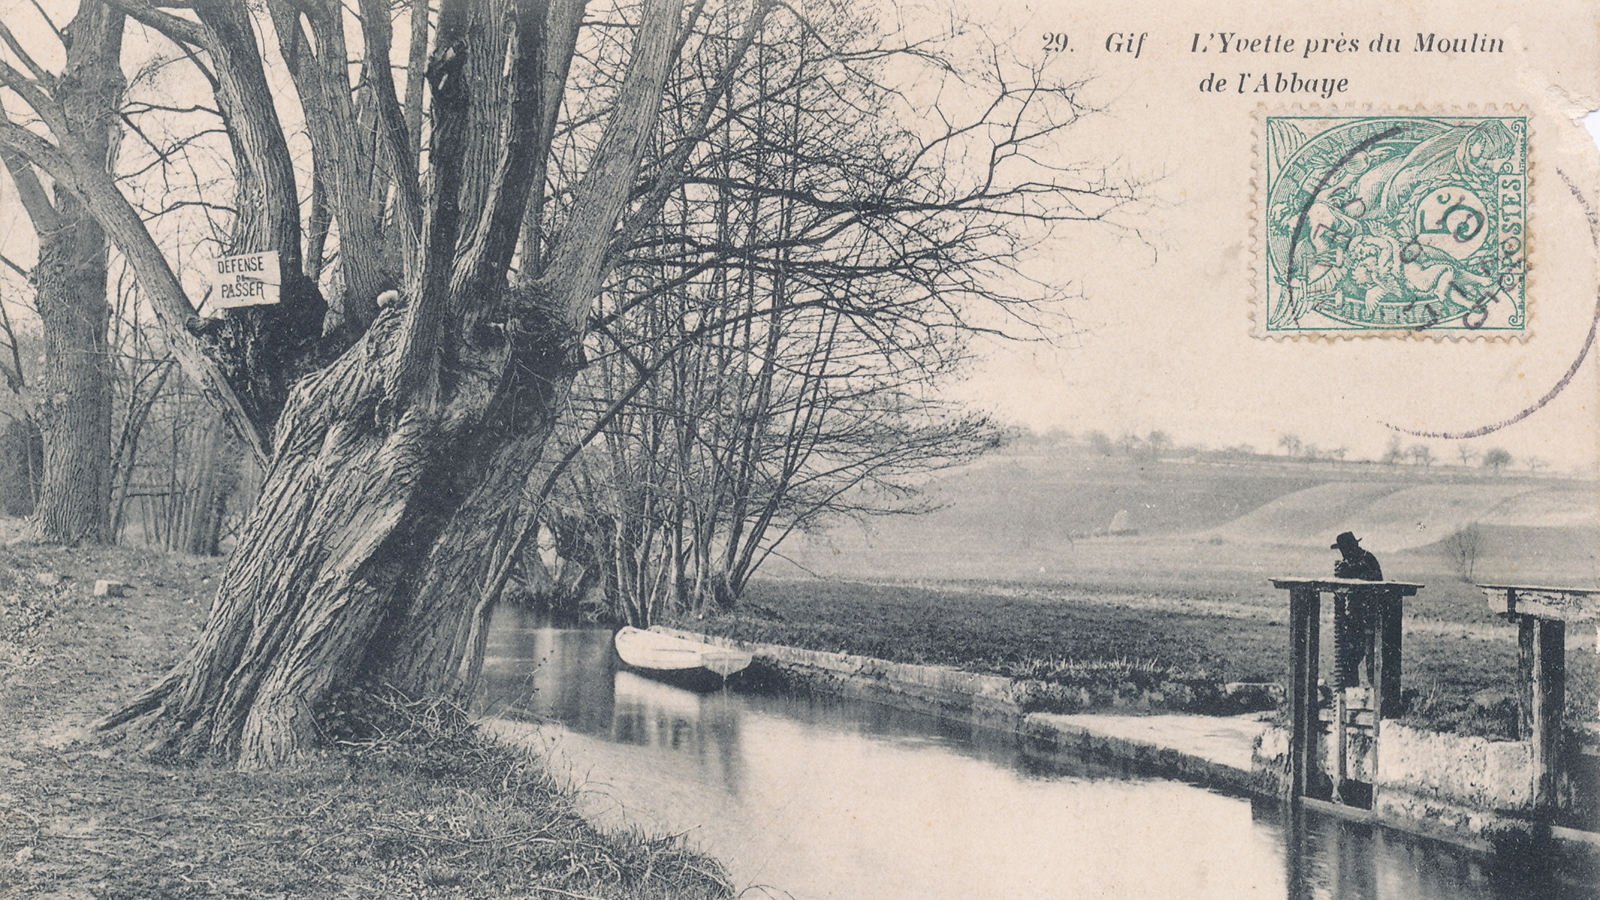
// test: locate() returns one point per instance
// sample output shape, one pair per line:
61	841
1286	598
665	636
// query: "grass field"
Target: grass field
1462	675
1016	568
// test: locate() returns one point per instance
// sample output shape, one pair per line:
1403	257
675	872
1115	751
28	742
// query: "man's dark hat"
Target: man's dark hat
1347	539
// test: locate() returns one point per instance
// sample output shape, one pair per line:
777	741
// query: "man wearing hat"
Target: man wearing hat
1351	609
1357	563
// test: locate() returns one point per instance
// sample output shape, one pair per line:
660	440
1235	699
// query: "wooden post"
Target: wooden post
1300	878
1383	616
1542	658
1304	728
1339	748
1391	607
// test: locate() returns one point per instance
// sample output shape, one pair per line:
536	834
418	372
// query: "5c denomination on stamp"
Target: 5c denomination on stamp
1391	224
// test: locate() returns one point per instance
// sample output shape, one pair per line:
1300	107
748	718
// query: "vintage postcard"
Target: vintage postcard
905	449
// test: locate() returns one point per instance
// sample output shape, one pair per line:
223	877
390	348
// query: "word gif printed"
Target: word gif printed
1280	46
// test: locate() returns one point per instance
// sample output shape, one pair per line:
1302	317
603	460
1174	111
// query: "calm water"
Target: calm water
815	799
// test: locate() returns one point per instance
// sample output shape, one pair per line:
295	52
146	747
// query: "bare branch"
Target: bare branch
31	192
13	266
179	30
75	170
50	23
39	74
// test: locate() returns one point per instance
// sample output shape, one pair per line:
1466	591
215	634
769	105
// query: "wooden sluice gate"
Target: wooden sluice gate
1542	785
1542	615
1366	684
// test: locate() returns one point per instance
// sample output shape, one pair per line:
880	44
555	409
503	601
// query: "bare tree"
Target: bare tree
1158	442
1465	453
74	396
1420	454
1291	444
1393	454
1462	548
21	444
809	281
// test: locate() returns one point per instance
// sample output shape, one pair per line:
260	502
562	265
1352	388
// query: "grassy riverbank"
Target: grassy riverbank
1462	672
414	803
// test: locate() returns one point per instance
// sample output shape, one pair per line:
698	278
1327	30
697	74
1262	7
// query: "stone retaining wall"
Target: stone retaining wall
1467	790
1445	768
987	697
1470	771
992	701
935	689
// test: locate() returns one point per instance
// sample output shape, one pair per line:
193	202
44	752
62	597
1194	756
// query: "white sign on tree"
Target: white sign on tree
247	279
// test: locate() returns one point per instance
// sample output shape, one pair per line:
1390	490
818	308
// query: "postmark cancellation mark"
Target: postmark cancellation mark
1392	224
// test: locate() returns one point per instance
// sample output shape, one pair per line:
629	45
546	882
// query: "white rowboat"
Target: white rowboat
679	661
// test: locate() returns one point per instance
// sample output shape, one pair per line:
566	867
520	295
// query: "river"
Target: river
819	798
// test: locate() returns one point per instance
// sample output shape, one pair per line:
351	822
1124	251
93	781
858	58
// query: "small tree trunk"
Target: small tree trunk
75	409
207	494
21	465
70	281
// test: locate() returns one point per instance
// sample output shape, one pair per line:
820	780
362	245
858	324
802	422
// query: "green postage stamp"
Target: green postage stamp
1391	224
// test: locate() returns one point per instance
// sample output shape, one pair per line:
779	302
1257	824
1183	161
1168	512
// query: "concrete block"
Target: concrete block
1467	771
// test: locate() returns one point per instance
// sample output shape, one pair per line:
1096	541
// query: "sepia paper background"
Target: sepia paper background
1158	332
1162	333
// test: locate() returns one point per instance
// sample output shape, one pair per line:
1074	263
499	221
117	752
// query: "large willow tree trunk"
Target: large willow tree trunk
395	490
363	558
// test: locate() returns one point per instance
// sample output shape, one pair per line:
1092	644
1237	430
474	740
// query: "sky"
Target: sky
1158	335
1162	331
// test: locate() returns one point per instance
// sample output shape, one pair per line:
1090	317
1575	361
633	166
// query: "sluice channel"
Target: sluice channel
819	798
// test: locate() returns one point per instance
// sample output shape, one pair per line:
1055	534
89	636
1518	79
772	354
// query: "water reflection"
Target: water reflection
829	799
1327	858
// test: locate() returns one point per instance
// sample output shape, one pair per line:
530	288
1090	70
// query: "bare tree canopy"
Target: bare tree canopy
772	346
555	188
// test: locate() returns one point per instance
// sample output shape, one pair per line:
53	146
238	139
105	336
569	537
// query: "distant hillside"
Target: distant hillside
1040	496
1046	516
1080	495
1394	516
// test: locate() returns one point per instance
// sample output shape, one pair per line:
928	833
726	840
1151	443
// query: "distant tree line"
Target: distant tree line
1156	445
